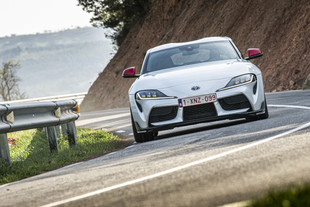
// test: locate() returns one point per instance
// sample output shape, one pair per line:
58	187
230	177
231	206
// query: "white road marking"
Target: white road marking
131	146
111	153
105	112
72	165
114	128
111	124
175	169
89	121
2	186
119	127
237	204
120	131
290	106
12	183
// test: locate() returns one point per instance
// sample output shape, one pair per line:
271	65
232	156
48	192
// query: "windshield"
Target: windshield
190	54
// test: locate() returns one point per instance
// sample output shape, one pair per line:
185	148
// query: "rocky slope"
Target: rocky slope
280	28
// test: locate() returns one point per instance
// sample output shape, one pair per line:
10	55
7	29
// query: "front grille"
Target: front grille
163	113
235	103
199	112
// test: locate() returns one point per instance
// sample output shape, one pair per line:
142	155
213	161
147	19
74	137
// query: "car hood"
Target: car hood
214	75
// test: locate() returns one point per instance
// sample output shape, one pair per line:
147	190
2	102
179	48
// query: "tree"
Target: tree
9	89
120	15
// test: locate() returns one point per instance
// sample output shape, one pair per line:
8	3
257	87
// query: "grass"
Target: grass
307	86
30	152
290	197
307	82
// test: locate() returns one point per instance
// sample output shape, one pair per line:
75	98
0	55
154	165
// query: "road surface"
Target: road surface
208	164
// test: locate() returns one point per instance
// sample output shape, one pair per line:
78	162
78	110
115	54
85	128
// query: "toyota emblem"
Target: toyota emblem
195	88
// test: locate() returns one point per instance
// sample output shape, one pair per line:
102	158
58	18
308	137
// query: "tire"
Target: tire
265	115
141	137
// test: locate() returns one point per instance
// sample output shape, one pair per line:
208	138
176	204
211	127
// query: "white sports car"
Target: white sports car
194	82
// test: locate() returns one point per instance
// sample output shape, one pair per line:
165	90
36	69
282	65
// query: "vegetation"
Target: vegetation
9	89
120	15
30	153
307	83
291	197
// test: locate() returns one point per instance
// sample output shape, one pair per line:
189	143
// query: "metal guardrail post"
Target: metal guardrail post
68	112
58	130
4	148
64	130
71	130
51	134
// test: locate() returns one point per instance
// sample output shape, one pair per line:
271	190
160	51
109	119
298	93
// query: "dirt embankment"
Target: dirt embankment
280	28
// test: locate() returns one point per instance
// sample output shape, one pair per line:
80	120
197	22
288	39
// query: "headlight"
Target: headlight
151	94
239	81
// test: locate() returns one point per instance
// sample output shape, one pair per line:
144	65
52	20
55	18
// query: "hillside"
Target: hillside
58	63
280	28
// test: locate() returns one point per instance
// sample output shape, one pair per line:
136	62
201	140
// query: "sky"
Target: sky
37	16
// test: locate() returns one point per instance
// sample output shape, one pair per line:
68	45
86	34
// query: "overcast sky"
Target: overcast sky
37	16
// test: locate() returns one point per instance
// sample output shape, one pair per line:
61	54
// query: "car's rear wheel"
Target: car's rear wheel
142	137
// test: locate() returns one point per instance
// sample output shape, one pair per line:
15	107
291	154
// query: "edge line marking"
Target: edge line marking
289	106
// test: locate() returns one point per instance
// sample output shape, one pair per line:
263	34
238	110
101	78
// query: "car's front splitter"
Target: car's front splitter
248	115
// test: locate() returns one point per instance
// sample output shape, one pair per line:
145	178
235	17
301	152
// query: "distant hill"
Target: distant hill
58	63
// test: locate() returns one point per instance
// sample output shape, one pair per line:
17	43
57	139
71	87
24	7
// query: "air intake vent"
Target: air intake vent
199	112
235	103
163	113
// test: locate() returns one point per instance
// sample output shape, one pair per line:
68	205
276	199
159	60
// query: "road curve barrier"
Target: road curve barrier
76	96
51	116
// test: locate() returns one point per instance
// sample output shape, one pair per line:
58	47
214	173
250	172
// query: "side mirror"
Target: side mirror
254	53
130	73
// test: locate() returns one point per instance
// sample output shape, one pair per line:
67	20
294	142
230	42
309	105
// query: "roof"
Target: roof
171	45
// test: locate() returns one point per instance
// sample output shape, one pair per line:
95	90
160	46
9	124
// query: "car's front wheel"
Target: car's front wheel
265	115
141	137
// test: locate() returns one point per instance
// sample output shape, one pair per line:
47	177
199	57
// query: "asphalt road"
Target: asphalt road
203	165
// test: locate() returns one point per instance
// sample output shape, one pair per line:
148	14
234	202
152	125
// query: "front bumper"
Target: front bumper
239	102
197	121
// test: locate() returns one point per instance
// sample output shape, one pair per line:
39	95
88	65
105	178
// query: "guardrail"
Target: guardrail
47	115
76	96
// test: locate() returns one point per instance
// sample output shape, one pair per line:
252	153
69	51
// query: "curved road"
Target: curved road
203	165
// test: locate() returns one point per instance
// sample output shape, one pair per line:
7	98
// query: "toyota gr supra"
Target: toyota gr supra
194	82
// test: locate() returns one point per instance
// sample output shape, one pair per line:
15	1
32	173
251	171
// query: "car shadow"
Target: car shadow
203	128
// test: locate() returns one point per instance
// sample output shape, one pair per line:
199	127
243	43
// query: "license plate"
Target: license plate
197	100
